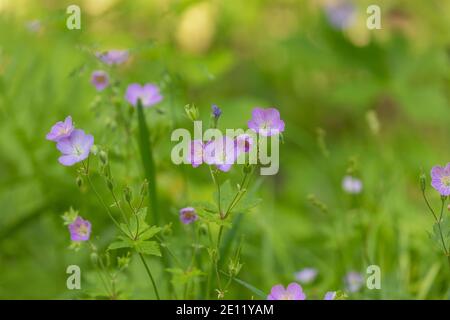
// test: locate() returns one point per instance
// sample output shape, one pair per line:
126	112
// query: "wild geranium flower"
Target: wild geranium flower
352	185
195	153
330	295
306	275
353	281
80	229
100	79
221	153
244	142
60	130
188	215
341	14
440	179
113	57
266	122
148	94
75	148
293	292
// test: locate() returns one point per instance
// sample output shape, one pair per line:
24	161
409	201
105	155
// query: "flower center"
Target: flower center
78	151
445	181
101	79
82	230
286	296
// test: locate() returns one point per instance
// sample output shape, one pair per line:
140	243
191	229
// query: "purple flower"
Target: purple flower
75	148
330	295
216	111
148	94
113	57
244	142
306	275
100	80
80	229
266	122
352	185
195	153
353	281
188	215
220	152
293	292
60	130
440	179
341	15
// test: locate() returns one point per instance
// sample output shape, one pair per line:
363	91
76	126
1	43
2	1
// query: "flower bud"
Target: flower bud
128	194
103	157
94	258
144	188
191	111
423	181
79	181
110	184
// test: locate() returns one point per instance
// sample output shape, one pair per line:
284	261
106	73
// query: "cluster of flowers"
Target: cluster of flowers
223	152
74	144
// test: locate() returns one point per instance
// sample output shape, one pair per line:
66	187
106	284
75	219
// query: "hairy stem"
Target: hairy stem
150	276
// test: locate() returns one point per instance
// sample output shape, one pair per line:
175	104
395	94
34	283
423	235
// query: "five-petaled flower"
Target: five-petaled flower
148	94
100	79
188	215
440	179
113	57
60	130
220	152
266	122
75	148
293	291
80	229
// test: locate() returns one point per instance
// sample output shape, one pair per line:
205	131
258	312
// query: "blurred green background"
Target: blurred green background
374	101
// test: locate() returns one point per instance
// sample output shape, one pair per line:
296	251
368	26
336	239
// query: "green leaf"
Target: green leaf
253	289
149	233
226	195
148	247
121	243
148	163
246	204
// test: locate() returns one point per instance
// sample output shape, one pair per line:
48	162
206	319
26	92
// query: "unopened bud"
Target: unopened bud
128	194
103	157
79	181
191	111
110	184
94	258
144	188
423	181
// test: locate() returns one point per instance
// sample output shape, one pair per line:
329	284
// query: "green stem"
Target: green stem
150	276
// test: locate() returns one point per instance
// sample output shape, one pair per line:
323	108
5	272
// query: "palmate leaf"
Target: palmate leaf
121	243
148	248
226	195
